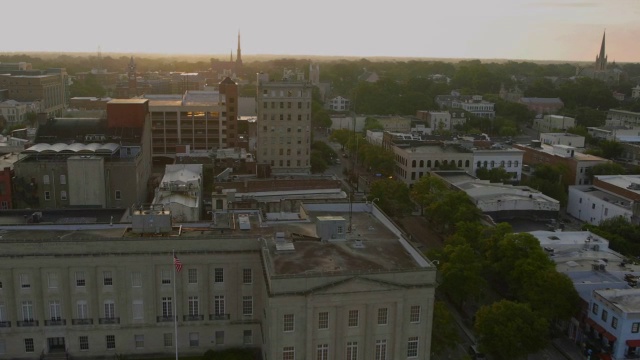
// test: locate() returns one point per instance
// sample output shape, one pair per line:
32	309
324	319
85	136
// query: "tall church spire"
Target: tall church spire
238	53
601	59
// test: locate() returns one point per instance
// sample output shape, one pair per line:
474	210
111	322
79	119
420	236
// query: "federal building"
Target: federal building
326	281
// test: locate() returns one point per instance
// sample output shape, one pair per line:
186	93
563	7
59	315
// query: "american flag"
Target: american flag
177	263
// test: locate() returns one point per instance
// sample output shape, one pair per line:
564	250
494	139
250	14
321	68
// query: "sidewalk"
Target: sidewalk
568	348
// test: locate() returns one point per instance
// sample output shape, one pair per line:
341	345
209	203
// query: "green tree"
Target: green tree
453	208
426	190
609	168
341	136
461	271
393	197
509	330
318	164
446	336
551	294
495	175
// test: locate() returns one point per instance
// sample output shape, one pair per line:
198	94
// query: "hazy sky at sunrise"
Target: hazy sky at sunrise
512	29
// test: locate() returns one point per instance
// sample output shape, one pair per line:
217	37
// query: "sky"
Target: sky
568	30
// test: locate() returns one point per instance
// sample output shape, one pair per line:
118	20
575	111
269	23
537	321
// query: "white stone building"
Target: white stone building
562	139
616	117
246	283
15	112
476	105
339	103
610	196
553	123
508	159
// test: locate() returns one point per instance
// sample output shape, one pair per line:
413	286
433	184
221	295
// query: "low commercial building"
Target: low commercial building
49	87
88	162
337	279
562	139
617	117
181	192
610	196
553	123
576	162
509	159
416	160
542	105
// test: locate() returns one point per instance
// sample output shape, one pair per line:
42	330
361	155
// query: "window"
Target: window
107	278
382	316
247	305
47	195
3	313
247	337
165	276
55	312
193	276
635	327
605	315
139	341
82	312
218	305
137	310
594	308
136	279
194	306
167	307
45	179
24	281
28	345
352	350
322	352
606	211
218	275
3	347
288	353
593	206
323	320
84	342
353	318
515	163
288	320
167	339
63	179
111	342
247	276
63	195
80	279
52	280
109	309
412	347
219	337
614	322
27	310
414	315
381	350
194	339
118	195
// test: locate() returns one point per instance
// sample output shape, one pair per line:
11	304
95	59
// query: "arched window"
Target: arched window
437	163
515	163
509	163
493	163
429	163
466	163
459	163
421	163
479	164
445	162
485	163
413	163
502	163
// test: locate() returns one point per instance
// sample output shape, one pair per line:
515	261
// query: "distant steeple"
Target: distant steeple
601	59
231	56
133	78
238	53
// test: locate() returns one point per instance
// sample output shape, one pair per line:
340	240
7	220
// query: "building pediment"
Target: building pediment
355	285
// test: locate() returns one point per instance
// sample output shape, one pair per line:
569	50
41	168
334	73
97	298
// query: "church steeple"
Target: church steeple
238	53
601	59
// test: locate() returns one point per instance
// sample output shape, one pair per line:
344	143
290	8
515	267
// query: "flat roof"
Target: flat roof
380	246
627	300
128	101
614	200
621	181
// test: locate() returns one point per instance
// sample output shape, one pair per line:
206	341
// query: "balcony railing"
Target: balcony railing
26	323
82	321
164	319
193	317
109	321
5	324
219	317
55	322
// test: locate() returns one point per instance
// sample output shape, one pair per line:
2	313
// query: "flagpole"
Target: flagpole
175	308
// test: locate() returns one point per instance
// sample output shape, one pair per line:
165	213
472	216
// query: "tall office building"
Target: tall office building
284	123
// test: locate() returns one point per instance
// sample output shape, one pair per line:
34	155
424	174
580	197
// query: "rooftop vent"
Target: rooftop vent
634	186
